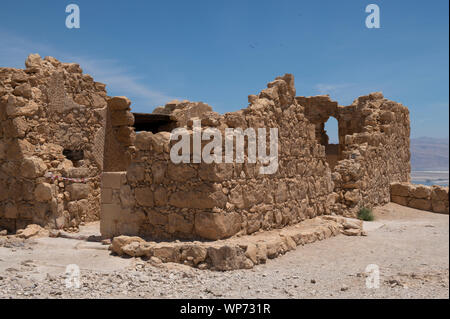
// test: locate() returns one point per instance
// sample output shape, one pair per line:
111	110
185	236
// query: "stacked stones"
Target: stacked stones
120	135
432	198
159	199
237	252
374	156
373	150
51	109
46	109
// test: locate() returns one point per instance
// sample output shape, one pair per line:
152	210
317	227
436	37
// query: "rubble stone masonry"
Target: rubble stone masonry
63	141
161	200
52	129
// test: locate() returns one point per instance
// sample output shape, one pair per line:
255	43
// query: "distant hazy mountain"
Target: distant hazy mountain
429	153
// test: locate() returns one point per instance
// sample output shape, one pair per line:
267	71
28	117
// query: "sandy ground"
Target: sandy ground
409	247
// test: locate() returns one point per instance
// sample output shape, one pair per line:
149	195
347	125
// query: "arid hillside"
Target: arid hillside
429	154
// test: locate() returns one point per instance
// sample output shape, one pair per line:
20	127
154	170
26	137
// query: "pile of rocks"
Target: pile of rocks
431	198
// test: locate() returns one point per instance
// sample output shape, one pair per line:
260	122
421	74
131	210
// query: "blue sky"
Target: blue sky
219	52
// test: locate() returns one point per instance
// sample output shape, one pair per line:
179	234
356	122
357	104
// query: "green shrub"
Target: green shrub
366	214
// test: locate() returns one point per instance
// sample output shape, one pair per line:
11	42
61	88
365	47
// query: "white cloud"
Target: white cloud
118	78
343	93
332	88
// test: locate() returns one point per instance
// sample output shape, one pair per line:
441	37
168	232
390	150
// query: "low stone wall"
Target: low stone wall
431	198
237	252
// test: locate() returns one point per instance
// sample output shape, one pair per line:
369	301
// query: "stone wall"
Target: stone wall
373	148
162	200
59	131
219	200
120	135
431	198
52	127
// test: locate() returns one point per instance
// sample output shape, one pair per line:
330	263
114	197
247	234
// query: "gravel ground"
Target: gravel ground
411	250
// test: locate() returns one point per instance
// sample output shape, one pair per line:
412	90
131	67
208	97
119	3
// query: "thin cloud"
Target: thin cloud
118	78
343	93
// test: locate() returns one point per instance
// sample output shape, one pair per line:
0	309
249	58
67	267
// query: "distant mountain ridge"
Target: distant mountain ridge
428	153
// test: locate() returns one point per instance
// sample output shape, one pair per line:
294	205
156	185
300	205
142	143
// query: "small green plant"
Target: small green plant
366	214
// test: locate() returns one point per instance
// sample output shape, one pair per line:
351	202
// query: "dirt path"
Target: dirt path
411	249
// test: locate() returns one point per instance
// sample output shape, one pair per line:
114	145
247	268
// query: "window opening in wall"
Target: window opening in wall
76	156
153	122
330	138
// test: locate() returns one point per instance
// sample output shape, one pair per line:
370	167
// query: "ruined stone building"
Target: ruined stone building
69	153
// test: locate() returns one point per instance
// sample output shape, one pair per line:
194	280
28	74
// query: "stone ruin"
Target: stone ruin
52	135
69	154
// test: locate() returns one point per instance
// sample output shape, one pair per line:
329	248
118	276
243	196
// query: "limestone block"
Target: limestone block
401	200
439	193
217	225
144	196
78	191
177	223
420	191
197	253
158	171
144	141
161	196
167	253
192	199
439	206
126	196
29	109
119	103
236	197
15	127
106	195
422	204
33	60
10	211
228	258
113	179
156	218
33	167
180	172
110	212
24	90
161	142
352	196
126	135
135	172
122	118
120	241
43	192
400	189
